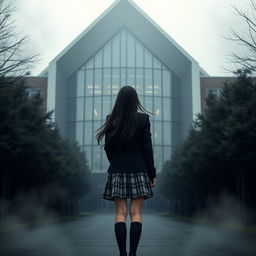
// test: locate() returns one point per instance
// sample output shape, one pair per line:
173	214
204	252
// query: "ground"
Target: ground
93	235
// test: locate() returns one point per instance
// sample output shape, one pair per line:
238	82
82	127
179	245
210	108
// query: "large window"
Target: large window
92	91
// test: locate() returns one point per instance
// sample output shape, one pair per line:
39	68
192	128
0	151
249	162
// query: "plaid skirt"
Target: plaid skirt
127	185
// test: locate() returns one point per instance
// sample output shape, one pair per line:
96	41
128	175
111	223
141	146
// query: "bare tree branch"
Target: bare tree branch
14	61
247	39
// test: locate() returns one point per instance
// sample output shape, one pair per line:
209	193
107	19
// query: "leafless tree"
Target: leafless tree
245	58
14	61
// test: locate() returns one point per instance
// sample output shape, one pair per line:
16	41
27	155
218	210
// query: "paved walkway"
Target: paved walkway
94	236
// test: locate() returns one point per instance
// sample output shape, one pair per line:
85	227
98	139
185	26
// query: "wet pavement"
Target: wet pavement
94	236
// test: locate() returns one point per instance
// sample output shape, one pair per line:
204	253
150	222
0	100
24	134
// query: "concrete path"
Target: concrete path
94	236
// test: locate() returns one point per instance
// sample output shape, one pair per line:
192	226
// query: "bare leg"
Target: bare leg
136	209
121	209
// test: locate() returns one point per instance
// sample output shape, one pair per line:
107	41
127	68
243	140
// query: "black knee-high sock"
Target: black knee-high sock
135	232
120	231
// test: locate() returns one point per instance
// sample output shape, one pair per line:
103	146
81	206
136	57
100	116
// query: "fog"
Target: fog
198	26
93	233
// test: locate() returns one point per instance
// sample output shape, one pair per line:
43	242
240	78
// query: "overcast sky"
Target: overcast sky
197	26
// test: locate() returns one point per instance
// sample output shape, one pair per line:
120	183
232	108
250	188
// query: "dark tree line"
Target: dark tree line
35	161
219	152
33	155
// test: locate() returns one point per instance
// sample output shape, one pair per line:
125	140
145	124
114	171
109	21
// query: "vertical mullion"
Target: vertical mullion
93	84
75	107
126	56
74	110
84	109
172	104
153	107
85	79
162	115
143	72
120	57
102	117
111	71
135	59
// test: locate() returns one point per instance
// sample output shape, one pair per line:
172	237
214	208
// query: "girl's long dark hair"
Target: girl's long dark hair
122	120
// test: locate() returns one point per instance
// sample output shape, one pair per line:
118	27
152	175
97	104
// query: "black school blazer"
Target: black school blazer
135	155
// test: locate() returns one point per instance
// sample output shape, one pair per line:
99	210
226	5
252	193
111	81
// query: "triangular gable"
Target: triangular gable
122	13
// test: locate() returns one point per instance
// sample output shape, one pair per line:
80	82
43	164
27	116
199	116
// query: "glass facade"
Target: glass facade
92	91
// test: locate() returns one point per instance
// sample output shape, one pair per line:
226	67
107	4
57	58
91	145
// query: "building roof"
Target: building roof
123	13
